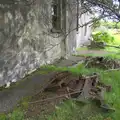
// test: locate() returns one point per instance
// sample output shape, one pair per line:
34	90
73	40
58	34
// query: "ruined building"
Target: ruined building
36	32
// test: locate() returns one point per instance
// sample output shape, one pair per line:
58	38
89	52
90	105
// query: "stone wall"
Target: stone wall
71	25
84	34
26	41
77	37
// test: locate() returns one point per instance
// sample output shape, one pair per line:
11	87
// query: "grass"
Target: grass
18	112
116	41
112	78
116	36
26	78
109	56
115	52
15	115
113	97
113	34
70	110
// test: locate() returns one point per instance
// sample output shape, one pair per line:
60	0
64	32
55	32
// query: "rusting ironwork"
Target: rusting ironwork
89	87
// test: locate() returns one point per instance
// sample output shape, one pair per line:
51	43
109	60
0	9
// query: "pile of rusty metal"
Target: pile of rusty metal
80	88
102	62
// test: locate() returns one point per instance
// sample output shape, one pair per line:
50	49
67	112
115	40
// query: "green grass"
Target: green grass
15	115
113	34
70	110
116	37
109	56
115	52
82	48
26	78
113	78
116	42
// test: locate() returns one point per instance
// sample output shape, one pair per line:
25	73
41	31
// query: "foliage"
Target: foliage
3	117
105	8
103	37
16	115
116	35
111	25
96	24
69	110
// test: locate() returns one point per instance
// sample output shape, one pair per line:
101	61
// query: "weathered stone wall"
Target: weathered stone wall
25	38
84	33
71	25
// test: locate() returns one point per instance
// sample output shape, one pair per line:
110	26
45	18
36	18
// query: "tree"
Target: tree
100	9
103	8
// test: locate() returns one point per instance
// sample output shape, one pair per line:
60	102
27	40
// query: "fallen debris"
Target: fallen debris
80	88
102	62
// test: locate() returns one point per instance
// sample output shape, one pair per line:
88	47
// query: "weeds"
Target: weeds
15	115
70	110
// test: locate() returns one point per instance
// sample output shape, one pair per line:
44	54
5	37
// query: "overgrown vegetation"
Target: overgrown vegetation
103	37
110	36
15	115
111	25
70	110
112	98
